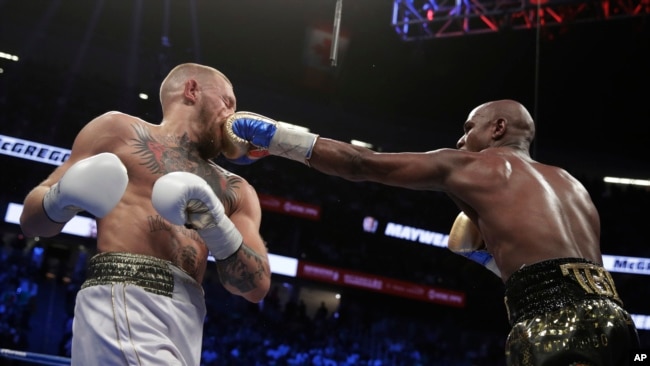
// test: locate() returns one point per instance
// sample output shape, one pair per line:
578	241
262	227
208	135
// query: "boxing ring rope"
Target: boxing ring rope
34	358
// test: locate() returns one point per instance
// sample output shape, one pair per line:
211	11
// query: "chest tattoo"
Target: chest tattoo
162	155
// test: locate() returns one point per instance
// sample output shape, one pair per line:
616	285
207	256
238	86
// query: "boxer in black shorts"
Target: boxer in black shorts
532	224
566	312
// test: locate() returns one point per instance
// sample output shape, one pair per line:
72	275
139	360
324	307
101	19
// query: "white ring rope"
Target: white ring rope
35	358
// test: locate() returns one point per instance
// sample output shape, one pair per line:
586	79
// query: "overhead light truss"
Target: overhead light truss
426	19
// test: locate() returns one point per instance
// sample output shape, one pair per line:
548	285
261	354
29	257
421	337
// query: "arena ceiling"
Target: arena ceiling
586	83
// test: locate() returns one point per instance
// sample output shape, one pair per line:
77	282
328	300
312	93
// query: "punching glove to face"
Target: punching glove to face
186	199
95	184
465	239
250	136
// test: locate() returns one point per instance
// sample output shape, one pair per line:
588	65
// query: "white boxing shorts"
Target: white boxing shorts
137	310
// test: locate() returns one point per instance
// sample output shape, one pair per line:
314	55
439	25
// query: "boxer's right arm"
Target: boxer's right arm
94	184
465	239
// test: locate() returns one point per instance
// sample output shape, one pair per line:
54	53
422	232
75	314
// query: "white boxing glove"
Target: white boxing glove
465	239
184	198
95	184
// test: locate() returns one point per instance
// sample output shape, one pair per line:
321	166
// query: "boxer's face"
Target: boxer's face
477	133
217	103
220	101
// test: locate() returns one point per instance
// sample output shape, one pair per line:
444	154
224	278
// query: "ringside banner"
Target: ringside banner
380	284
31	150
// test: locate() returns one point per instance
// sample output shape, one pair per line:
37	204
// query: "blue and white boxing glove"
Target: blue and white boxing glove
184	198
465	239
249	136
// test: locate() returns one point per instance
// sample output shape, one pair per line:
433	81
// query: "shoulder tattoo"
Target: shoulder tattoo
160	157
178	153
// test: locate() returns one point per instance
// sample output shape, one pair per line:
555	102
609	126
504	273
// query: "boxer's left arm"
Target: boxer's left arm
186	199
256	136
251	264
249	136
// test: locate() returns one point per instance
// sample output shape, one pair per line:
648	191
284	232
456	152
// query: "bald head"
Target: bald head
517	116
173	85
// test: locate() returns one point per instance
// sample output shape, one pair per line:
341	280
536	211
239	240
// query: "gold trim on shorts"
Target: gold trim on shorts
593	279
152	274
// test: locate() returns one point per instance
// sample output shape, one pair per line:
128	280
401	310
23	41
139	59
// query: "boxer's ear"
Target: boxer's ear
499	129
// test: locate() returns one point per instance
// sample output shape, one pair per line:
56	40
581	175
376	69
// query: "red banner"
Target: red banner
380	284
288	207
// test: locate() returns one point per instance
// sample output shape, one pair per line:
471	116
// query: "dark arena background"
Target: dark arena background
361	272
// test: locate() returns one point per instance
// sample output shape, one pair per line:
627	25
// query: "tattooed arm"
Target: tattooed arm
247	272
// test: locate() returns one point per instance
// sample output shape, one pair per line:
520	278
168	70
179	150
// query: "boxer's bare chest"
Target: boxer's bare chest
156	155
148	156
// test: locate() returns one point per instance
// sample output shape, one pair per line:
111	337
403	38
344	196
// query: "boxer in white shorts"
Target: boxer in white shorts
150	310
162	206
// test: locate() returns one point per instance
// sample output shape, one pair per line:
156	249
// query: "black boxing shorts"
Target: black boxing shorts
566	312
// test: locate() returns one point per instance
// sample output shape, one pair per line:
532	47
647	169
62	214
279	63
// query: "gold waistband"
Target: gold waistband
555	284
592	278
152	274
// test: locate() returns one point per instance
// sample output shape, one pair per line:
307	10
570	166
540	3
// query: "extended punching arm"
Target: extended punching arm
250	136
